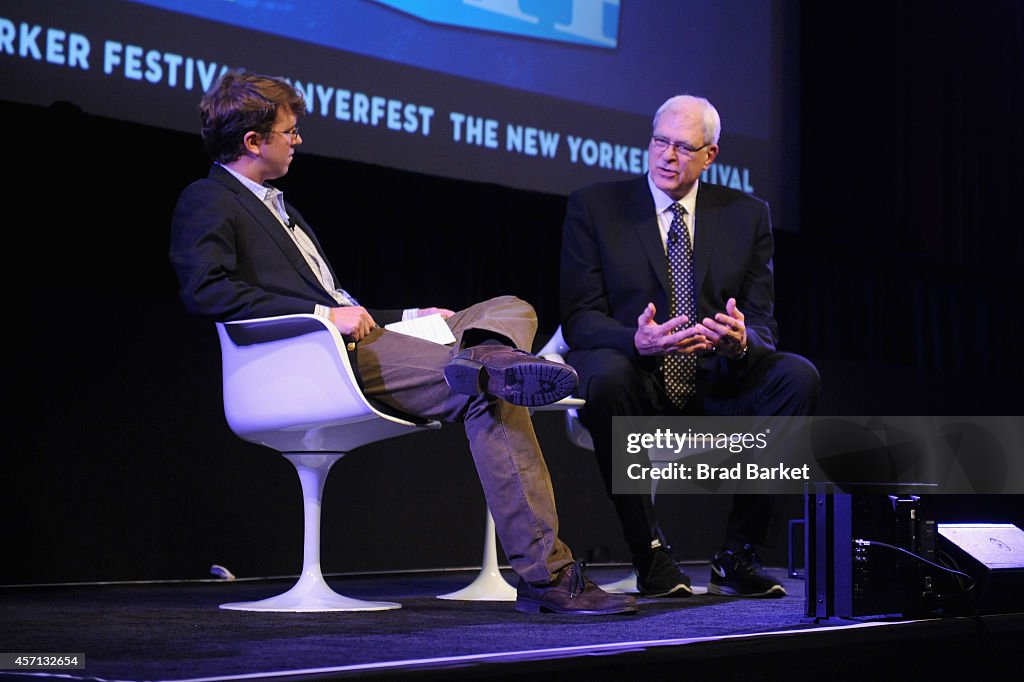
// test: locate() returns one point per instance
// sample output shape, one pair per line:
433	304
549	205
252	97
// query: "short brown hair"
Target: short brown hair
240	102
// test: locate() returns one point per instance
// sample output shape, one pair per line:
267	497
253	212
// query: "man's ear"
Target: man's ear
251	142
712	153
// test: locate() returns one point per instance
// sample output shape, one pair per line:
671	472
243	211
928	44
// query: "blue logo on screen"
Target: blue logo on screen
590	22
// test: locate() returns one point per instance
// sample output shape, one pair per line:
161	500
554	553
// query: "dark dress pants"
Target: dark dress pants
778	384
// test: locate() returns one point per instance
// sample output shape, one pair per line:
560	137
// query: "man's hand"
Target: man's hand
352	320
443	312
727	333
660	339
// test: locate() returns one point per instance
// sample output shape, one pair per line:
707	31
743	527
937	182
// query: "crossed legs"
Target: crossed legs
407	373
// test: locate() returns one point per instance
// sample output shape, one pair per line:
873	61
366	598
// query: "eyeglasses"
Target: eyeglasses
660	144
293	133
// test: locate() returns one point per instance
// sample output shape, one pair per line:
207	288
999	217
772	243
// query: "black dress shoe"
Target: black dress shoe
571	593
658	575
513	375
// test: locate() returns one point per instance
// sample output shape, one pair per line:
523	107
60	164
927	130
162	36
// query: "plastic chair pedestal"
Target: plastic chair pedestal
489	584
311	592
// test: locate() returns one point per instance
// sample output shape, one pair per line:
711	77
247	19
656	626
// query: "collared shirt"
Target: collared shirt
663	207
273	199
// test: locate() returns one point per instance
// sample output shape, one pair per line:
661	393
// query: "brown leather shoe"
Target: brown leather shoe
513	375
571	593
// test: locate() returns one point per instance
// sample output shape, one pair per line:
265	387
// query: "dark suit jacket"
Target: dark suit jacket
235	261
613	264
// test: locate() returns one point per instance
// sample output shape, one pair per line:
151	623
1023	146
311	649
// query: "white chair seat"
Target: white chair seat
289	385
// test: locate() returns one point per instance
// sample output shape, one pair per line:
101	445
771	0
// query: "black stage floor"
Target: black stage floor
175	631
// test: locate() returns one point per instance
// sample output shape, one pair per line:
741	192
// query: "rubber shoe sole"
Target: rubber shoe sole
525	383
532	606
774	591
678	592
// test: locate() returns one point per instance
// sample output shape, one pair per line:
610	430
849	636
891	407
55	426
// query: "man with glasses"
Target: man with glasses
240	251
667	308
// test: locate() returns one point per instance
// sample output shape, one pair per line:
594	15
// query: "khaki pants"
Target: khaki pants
407	374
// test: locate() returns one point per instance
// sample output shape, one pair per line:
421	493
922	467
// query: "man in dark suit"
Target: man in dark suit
241	251
698	257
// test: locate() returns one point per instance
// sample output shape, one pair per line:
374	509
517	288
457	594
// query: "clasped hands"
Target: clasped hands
356	322
726	334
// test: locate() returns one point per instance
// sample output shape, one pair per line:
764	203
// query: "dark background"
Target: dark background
902	284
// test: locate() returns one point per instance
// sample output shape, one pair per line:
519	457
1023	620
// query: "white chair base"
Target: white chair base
311	592
489	584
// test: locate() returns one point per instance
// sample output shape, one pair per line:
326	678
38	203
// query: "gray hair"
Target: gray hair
712	121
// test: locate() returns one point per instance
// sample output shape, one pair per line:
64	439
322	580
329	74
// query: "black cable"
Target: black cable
986	634
918	557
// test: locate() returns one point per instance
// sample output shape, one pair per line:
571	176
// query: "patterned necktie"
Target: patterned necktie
680	370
